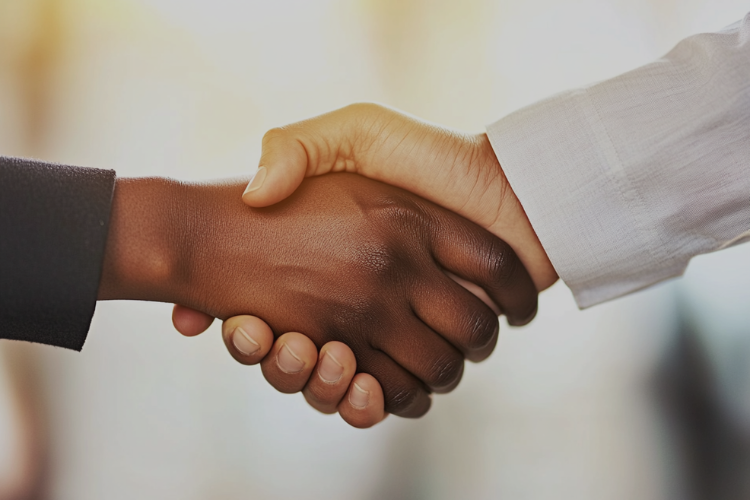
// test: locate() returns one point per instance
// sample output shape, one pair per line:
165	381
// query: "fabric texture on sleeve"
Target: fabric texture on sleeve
53	230
626	180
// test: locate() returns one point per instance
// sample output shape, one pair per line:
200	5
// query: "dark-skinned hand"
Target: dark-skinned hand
343	259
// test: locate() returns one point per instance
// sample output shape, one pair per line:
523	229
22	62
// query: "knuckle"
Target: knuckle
365	108
273	133
357	324
501	265
481	327
445	371
402	399
394	210
380	259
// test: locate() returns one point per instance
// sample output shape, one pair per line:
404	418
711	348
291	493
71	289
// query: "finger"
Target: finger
248	339
458	316
363	405
477	291
289	364
331	378
403	394
476	255
283	163
317	146
190	322
426	355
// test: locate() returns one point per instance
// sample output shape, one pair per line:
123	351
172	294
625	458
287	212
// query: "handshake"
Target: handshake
395	282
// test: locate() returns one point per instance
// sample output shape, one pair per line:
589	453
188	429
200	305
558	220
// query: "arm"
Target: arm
173	240
615	187
346	259
54	222
628	179
687	114
456	170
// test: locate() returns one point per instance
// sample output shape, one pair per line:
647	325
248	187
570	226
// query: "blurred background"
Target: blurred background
647	397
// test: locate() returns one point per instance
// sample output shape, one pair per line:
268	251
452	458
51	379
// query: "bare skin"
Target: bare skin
361	406
345	259
456	170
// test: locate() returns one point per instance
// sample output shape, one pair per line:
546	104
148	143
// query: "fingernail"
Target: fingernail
244	342
330	370
289	362
359	397
257	181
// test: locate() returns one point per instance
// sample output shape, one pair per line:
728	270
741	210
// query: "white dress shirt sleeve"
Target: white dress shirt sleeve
626	180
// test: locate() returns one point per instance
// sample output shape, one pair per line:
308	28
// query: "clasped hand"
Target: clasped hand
361	268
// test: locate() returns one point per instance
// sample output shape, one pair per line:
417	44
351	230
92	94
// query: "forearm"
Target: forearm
142	255
628	179
172	242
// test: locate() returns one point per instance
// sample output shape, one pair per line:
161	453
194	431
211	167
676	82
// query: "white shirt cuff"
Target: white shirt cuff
565	171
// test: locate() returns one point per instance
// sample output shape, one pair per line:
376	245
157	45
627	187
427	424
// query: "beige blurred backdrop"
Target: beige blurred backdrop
565	408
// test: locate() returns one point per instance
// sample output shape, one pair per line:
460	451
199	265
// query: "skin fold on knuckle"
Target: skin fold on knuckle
395	244
273	134
402	399
355	324
379	259
481	328
398	212
501	266
445	372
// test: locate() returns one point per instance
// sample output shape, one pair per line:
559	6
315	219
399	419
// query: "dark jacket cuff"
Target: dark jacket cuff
53	230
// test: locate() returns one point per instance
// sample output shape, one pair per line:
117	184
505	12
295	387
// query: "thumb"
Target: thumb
282	168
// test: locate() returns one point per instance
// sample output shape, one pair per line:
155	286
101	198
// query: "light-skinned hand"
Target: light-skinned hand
456	170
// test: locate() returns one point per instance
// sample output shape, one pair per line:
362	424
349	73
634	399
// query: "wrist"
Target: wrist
510	221
142	259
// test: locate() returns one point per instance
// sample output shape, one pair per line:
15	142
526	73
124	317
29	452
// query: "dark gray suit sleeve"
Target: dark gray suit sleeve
53	230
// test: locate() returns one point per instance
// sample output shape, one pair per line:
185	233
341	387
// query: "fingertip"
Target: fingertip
278	183
289	364
524	320
364	404
342	355
483	353
190	322
255	184
295	353
283	164
333	374
247	338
